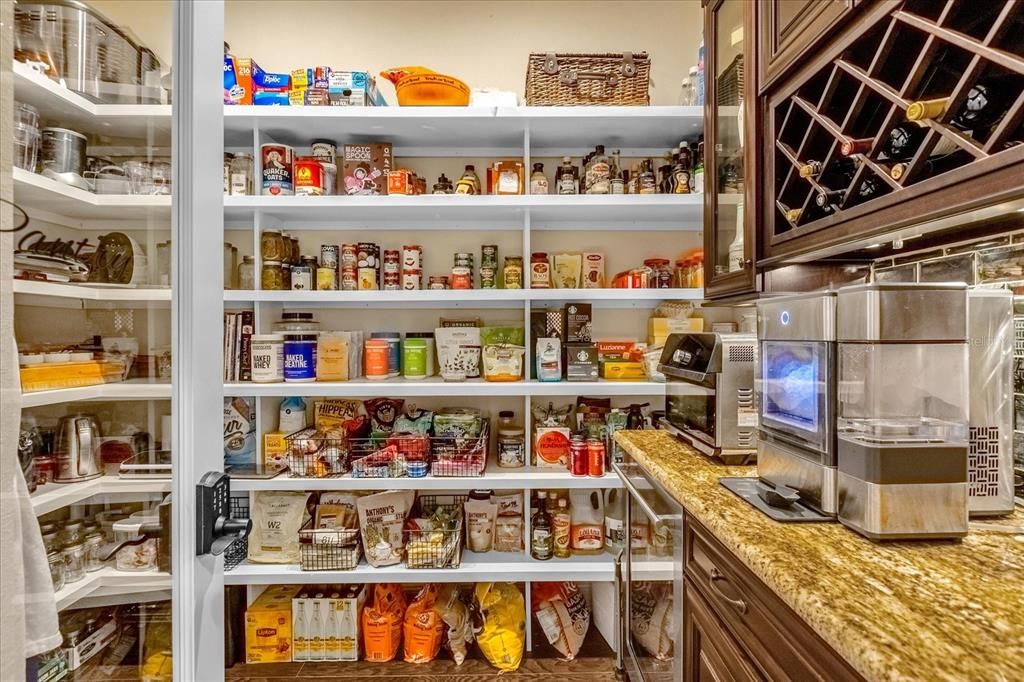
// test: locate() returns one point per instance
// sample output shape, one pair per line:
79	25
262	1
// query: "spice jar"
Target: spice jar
74	561
513	272
375	359
94	551
247	273
241	175
540	271
659	273
272	276
56	562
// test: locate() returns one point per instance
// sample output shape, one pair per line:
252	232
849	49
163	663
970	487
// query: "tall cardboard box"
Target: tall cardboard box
268	626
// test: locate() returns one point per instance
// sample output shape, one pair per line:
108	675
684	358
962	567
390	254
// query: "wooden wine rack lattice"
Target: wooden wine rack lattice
866	90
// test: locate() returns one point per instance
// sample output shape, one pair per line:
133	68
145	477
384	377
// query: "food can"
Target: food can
438	282
366	255
325	150
330	177
595	458
349	255
326	279
366	278
578	457
302	278
349	278
462	278
329	256
488	278
489	256
412	280
392	281
308	177
463	260
276	162
392	262
412	257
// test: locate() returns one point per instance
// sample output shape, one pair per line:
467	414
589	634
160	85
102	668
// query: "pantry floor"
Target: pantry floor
595	663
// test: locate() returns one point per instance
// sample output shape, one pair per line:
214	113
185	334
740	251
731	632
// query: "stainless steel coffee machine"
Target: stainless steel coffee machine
902	413
796	450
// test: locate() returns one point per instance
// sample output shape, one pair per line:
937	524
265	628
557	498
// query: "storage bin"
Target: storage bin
592	79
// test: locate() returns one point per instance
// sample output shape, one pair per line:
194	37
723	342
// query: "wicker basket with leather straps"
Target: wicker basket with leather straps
588	79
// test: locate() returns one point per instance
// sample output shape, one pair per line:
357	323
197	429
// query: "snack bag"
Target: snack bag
424	627
651	621
455	614
500	623
382	622
563	614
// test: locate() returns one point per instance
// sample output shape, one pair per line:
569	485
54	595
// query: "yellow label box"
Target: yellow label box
623	370
268	626
275	449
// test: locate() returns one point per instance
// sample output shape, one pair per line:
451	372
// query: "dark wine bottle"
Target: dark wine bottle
870	187
841	167
935	165
829	201
793	215
903	141
987	101
860	146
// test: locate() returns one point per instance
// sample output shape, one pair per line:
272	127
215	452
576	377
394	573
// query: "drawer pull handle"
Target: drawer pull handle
737	604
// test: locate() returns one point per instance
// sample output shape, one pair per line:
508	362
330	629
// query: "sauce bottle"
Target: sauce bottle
566	182
538	181
542	537
562	524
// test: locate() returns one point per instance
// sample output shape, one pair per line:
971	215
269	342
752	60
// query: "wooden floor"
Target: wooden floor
595	663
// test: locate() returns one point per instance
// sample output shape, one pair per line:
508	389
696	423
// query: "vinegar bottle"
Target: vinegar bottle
562	523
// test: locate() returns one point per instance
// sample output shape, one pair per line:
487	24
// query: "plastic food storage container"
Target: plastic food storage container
141	557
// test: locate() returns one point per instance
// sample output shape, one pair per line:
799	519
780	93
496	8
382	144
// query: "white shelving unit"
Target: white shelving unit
405	388
53	496
111	586
61	203
57	294
133	389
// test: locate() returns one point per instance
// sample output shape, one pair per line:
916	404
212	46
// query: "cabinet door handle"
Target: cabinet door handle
737	604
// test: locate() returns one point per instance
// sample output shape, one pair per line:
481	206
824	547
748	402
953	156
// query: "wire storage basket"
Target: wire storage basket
312	454
238	550
436	539
329	549
460	455
412	454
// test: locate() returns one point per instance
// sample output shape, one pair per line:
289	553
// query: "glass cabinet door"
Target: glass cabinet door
729	193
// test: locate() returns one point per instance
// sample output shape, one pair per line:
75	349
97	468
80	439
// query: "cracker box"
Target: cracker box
365	168
581	362
578	318
268	626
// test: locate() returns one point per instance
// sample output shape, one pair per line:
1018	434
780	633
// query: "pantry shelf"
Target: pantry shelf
29	292
57	105
676	212
492	566
111	583
406	388
461	131
53	496
133	389
494	478
43	197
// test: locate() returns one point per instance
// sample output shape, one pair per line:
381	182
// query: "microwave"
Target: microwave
709	394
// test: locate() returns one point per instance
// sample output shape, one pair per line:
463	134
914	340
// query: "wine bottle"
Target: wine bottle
841	168
860	146
811	169
793	214
903	141
932	166
986	102
830	200
870	187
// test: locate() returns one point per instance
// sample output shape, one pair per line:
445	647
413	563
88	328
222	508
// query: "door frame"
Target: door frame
197	220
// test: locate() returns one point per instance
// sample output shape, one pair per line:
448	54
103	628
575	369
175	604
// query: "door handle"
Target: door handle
716	576
215	529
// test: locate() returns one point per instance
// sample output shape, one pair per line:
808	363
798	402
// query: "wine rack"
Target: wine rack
920	95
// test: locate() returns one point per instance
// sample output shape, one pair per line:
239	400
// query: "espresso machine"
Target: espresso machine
902	410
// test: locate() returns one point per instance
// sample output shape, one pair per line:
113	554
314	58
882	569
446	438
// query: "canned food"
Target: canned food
412	280
324	150
308	177
277	162
579	464
330	177
366	255
392	262
438	282
326	279
412	257
302	278
272	276
329	256
488	278
272	246
595	457
349	279
462	278
349	254
392	281
489	256
463	260
367	279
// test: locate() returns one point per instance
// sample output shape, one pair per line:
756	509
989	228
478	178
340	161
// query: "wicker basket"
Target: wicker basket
588	79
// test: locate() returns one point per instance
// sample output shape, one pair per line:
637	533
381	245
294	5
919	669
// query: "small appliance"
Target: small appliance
77	449
709	396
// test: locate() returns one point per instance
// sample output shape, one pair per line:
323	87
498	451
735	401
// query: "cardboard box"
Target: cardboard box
551	446
308	97
622	370
404	181
581	362
268	626
238	81
658	328
354	89
593	271
339	613
614	350
578	323
365	168
275	449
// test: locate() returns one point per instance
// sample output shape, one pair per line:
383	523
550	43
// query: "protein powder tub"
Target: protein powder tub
267	358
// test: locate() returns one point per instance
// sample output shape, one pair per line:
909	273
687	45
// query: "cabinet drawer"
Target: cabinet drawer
781	644
712	655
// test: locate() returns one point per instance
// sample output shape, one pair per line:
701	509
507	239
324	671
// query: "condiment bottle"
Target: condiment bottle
566	177
542	536
540	271
599	173
469	183
618	183
538	181
561	527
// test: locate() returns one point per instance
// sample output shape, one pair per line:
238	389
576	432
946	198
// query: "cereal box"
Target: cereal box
365	168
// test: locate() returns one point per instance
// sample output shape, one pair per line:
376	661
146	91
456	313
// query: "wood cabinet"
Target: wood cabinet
731	131
789	28
736	628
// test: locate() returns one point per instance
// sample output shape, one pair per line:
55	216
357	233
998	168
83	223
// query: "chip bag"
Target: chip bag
455	614
382	622
424	628
651	618
563	614
499	613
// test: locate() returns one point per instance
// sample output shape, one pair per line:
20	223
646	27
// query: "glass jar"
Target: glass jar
513	272
247	273
163	263
272	246
56	562
272	276
94	543
241	175
540	271
136	557
46	468
296	323
229	265
293	254
51	541
74	562
660	274
697	271
71	533
511	441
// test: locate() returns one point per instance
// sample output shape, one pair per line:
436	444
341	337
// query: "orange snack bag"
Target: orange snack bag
424	628
382	622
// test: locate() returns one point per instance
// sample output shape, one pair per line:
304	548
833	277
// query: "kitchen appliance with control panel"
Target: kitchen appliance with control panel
796	447
77	448
709	395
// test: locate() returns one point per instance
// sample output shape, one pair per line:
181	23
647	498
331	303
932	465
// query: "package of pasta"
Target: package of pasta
424	628
458	623
499	613
382	622
563	615
651	623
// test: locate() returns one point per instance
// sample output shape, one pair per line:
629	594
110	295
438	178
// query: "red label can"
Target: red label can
349	255
595	458
309	176
578	457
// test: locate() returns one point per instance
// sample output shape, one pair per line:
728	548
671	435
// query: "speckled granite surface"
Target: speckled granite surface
896	611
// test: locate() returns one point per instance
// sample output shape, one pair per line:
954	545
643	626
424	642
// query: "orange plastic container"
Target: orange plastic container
417	86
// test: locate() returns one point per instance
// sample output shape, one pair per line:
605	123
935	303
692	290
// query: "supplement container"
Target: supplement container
428	337
299	357
267	358
394	340
414	358
375	359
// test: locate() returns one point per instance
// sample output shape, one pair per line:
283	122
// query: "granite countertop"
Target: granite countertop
895	611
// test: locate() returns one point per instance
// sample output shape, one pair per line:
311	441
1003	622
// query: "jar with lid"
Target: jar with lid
394	340
540	271
163	263
94	543
272	246
660	275
414	358
267	358
375	359
56	562
46	468
247	273
296	322
135	557
74	561
697	271
428	341
511	441
241	175
681	274
51	541
71	533
513	272
272	276
300	335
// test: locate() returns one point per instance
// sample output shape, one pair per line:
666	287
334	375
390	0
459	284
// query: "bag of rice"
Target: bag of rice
563	614
651	618
424	627
499	612
276	520
382	622
456	617
381	518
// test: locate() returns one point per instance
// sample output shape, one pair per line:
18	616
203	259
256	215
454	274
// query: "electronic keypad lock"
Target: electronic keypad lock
215	529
